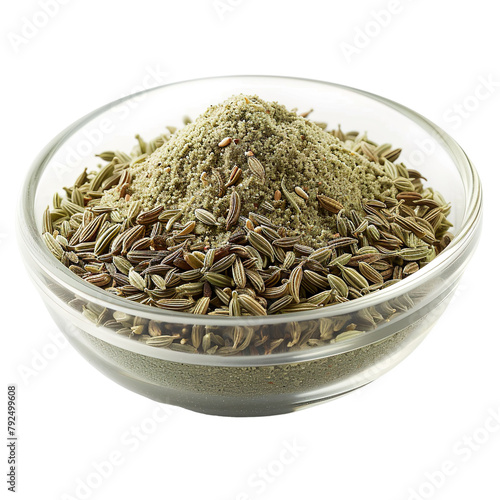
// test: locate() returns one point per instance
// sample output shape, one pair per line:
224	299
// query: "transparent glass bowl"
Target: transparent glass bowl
256	384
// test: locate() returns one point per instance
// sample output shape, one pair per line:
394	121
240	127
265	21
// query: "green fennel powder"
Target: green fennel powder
191	169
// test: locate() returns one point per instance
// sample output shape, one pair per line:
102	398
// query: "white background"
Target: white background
382	442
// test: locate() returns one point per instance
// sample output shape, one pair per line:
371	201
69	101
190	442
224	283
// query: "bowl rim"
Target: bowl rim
33	244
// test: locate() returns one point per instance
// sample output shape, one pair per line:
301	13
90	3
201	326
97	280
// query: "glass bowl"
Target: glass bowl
321	366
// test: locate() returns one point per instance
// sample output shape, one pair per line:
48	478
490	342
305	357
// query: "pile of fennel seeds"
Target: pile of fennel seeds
161	257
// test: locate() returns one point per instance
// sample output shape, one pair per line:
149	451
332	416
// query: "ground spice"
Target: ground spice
294	152
253	390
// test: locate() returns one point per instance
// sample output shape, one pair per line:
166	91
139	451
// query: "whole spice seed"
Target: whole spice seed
194	261
261	220
294	283
410	268
102	175
53	245
266	205
338	284
261	244
174	304
353	278
289	260
189	289
289	196
255	166
252	306
301	193
136	280
270	233
71	208
239	275
106	238
223	264
161	341
249	225
234	177
369	273
220	280
47	221
225	142
98	279
166	215
219	182
205	216
315	279
150	216
280	304
234	307
234	210
321	298
276	292
90	231
392	155
321	254
413	254
187	229
329	203
286	242
256	279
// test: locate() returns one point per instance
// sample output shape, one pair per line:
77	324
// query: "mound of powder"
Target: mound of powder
190	171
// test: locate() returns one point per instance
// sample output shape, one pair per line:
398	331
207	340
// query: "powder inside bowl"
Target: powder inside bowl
186	172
